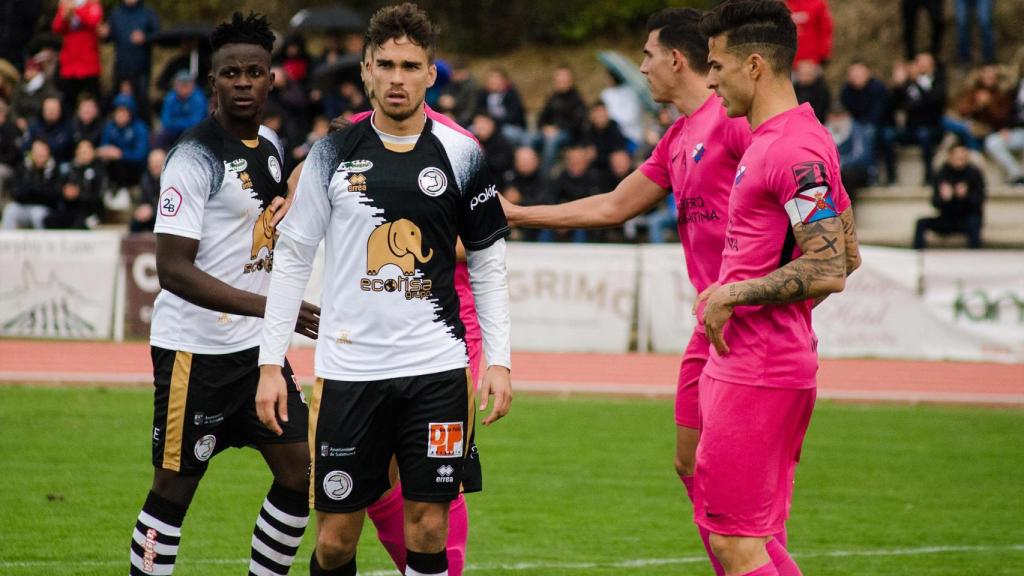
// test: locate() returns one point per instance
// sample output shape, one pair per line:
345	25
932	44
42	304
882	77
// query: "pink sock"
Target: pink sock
705	536
458	532
783	562
388	515
766	570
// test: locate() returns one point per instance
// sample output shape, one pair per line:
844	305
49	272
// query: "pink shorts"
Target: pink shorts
687	399
750	440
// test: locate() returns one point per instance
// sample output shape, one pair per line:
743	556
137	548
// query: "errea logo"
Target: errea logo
444	475
482	197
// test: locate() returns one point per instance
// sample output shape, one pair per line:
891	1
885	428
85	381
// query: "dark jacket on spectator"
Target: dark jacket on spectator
957	209
867	105
132	59
1017	116
605	142
465	94
10	152
534	188
75	213
58	136
817	95
18	20
91	132
37	186
923	101
500	156
566	110
27	105
567	187
505	107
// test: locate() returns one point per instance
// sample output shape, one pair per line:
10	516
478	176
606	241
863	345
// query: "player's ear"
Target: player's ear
431	75
755	66
678	60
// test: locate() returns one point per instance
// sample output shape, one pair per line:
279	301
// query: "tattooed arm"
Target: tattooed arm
818	272
852	247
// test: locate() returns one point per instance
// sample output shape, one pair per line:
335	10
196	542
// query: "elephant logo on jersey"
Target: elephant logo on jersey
263	236
337	485
399	243
204	447
433	182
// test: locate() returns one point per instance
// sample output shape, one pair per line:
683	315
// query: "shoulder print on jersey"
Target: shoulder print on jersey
463	153
813	200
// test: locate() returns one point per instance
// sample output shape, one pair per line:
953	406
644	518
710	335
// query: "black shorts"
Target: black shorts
426	422
204	403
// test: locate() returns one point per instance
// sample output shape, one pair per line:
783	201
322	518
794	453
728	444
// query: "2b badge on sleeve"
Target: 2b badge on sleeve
170	202
445	440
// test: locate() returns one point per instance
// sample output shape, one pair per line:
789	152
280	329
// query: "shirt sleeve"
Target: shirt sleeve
806	186
481	219
293	264
656	168
185	185
488	278
307	219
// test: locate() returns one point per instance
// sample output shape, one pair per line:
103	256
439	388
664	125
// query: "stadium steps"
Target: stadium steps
886	215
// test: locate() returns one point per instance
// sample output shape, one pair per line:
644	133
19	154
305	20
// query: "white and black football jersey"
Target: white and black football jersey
215	189
390	216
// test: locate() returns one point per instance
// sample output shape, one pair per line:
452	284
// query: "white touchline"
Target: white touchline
537	566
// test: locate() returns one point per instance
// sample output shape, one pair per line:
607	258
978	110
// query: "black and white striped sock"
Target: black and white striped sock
155	538
278	531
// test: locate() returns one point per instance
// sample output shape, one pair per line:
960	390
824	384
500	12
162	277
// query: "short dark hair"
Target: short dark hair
251	29
679	29
762	26
402	21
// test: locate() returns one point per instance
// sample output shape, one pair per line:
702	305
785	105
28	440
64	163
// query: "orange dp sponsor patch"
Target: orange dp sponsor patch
445	440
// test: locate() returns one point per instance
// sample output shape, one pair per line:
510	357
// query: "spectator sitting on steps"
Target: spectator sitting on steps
959	193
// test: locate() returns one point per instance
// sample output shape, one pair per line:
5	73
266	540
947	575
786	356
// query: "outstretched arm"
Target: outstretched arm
634	195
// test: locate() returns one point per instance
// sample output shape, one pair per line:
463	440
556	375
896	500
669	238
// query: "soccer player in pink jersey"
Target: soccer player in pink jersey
789	243
696	160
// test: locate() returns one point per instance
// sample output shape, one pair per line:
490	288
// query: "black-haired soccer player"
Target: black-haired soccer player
786	248
221	185
391	196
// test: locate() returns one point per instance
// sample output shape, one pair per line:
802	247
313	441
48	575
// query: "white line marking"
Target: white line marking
541	566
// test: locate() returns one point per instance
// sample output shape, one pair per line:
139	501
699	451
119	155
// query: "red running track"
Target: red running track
128	364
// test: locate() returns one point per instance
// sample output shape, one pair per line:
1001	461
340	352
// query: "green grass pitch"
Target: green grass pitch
579	486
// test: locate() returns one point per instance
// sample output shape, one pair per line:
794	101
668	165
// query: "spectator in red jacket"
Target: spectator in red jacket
813	30
77	21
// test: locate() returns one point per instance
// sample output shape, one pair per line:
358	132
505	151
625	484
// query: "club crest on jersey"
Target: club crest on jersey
739	175
357	183
355	166
337	485
170	202
432	181
698	152
204	447
275	168
237	165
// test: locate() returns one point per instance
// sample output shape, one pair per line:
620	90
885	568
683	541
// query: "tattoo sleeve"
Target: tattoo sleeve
852	245
819	271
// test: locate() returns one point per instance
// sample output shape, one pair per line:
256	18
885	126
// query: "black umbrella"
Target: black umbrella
178	34
332	18
344	69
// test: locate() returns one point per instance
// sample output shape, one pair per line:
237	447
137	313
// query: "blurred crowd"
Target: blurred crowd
74	156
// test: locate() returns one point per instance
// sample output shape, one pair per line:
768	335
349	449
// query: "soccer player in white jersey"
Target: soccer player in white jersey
221	186
390	197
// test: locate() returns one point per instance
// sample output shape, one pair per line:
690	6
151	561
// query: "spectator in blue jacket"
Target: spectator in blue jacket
125	144
866	98
184	107
131	28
